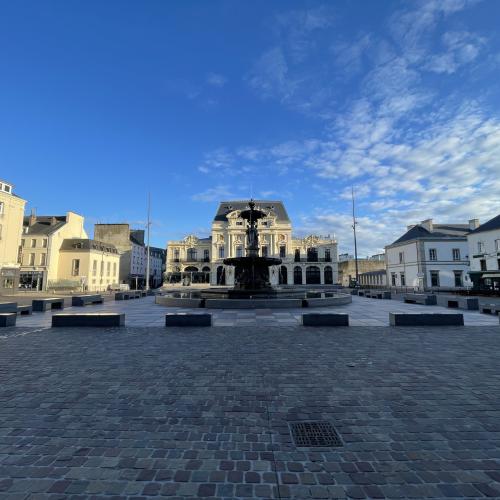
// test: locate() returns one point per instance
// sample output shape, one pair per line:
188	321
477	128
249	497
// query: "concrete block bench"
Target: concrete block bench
420	298
458	302
489	308
42	305
8	307
425	319
24	310
102	319
326	319
83	300
184	319
8	319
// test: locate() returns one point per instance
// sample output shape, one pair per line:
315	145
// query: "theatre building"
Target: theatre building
309	260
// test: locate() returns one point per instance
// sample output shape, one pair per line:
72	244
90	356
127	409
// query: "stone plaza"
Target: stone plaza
147	412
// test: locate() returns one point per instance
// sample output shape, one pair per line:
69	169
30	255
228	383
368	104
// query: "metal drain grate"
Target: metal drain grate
314	434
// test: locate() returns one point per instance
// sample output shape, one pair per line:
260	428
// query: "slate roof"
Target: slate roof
491	225
226	207
45	224
439	231
72	244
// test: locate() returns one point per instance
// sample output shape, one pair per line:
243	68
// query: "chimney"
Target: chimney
53	221
32	219
473	224
427	224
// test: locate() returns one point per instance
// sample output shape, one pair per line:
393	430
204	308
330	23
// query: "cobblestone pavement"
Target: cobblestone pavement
150	412
362	312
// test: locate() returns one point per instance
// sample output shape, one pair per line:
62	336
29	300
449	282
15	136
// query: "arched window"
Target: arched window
283	278
328	275
297	275
191	254
191	269
313	275
221	276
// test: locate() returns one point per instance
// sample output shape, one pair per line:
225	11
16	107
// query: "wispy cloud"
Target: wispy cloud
214	194
216	80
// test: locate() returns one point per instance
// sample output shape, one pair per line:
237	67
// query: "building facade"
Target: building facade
310	260
88	265
156	266
373	279
11	226
41	242
484	254
347	267
430	256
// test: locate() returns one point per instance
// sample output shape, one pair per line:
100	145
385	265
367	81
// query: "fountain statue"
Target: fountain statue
251	273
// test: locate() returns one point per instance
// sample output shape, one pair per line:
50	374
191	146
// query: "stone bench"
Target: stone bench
378	295
102	319
42	305
458	302
325	319
425	319
489	308
8	307
24	310
131	294
185	319
420	298
83	300
8	319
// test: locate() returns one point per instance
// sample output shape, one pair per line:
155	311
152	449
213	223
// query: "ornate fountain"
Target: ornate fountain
251	273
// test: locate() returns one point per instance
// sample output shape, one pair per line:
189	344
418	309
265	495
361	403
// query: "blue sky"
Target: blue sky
200	101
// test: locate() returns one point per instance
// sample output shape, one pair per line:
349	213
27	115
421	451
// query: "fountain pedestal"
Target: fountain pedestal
251	273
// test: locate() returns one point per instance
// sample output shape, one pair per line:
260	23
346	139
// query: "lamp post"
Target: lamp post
147	247
355	242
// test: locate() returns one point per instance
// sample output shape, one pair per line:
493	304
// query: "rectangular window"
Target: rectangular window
401	257
328	257
108	269
43	259
1	207
480	247
402	277
33	243
434	278
206	255
114	268
32	259
75	267
497	245
282	251
459	282
102	268
94	268
432	254
393	278
264	251
456	253
239	251
297	255
221	252
482	262
22	242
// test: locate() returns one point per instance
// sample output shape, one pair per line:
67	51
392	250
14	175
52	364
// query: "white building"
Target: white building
484	253
430	256
310	260
156	266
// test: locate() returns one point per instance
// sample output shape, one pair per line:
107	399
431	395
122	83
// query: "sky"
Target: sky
196	102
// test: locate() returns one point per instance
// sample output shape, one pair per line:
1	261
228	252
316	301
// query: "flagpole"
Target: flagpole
148	256
355	242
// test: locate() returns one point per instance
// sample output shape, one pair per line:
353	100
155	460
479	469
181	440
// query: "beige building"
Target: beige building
311	260
11	225
347	267
87	265
41	242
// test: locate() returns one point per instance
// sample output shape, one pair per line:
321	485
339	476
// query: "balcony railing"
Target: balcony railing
313	259
190	259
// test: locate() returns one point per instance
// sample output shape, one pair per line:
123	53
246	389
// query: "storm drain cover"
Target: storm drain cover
314	434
